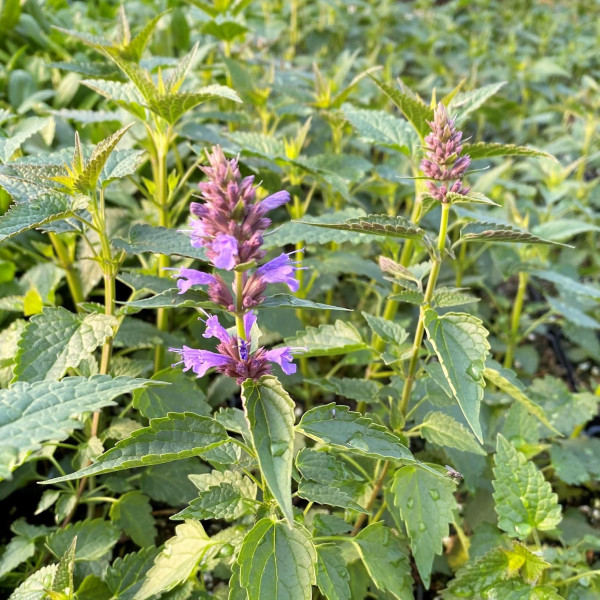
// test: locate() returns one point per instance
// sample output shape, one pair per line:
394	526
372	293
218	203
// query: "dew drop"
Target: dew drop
524	502
356	440
523	529
422	526
410	502
278	448
475	370
434	494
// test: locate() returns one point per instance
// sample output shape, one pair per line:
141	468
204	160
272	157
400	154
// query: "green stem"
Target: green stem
418	340
515	318
71	273
239	306
576	577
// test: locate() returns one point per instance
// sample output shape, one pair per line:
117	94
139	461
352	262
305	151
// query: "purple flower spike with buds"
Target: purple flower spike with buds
234	356
218	291
442	160
231	222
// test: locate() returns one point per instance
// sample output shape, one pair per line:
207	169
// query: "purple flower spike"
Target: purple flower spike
442	160
200	361
223	252
190	277
273	201
283	357
280	270
215	329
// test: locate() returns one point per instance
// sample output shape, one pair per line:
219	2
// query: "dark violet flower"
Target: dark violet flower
234	356
442	160
230	222
280	270
218	291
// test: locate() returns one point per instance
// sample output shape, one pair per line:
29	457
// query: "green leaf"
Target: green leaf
158	240
447	297
296	232
460	342
56	340
477	578
441	429
277	561
576	461
331	494
226	495
32	413
328	340
361	390
467	102
568	285
126	575
490	150
95	539
380	128
531	566
26	129
181	395
573	314
387	330
561	230
176	436
224	29
415	110
506	380
427	506
16	552
135	48
35	586
177	561
132	512
470	197
323	467
384	225
337	425
63	578
172	107
565	410
120	164
524	499
385	560
169	482
173	299
289	301
332	574
270	412
28	215
479	231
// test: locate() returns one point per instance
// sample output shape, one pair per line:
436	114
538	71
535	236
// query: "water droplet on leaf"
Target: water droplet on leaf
278	448
434	494
475	370
410	502
422	526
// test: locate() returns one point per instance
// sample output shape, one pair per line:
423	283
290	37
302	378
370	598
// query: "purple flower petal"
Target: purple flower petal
274	200
283	357
190	277
225	249
197	234
280	270
249	320
200	361
215	329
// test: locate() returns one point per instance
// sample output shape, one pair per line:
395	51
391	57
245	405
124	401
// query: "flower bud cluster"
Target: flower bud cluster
443	161
230	224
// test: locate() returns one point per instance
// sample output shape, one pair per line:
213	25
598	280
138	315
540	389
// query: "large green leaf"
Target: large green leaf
576	461
95	539
332	574
384	225
467	102
339	426
132	512
176	436
226	495
126	575
277	562
158	240
524	499
35	586
32	413
26	128
497	232
441	429
415	110
490	150
331	494
361	390
289	301
385	560
27	215
328	340
460	342
56	340
177	561
270	412
426	505
381	128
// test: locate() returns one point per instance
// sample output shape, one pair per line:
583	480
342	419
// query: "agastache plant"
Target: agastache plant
230	224
443	162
